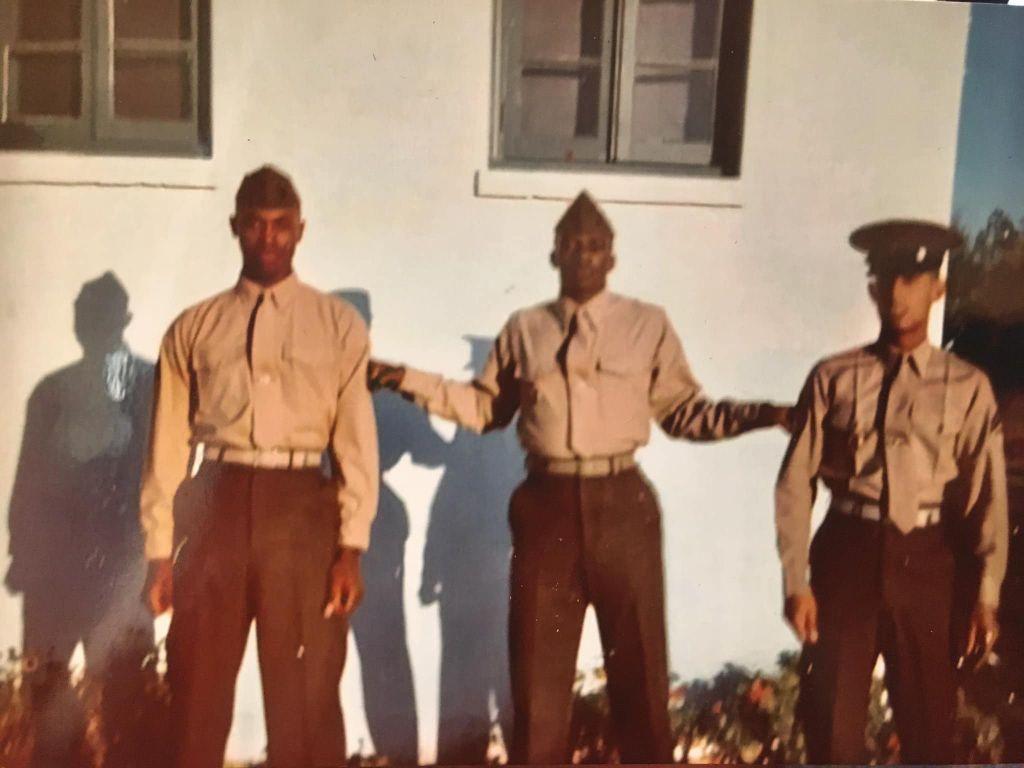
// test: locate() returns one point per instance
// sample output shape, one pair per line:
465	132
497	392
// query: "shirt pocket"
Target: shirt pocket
538	381
310	386
846	443
624	384
312	367
626	370
222	381
936	426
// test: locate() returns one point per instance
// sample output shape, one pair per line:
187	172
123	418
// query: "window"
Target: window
657	83
107	76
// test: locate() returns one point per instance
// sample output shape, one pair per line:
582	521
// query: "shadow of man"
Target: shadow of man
466	571
75	543
378	625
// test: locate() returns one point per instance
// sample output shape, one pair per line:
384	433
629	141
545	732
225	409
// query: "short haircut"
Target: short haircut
267	187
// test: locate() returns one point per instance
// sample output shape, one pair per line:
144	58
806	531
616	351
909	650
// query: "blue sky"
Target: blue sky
990	149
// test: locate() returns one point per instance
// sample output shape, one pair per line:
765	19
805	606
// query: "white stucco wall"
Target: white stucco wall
380	110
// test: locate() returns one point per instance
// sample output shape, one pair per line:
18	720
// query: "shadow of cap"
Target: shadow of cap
101	312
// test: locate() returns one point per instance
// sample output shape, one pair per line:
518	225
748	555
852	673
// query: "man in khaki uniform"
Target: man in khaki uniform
586	373
264	377
907	439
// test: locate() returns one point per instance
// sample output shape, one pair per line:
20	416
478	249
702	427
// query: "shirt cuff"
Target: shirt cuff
159	543
354	534
988	592
795	581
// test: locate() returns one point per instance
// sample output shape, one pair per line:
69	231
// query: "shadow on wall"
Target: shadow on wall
465	571
75	543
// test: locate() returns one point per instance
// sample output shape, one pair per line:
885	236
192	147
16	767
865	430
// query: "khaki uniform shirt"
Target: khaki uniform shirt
590	395
942	441
306	390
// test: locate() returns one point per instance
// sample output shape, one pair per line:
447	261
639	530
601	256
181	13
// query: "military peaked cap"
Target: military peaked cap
904	247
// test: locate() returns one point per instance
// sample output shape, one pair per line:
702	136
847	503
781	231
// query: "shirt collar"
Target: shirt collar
918	356
596	308
280	294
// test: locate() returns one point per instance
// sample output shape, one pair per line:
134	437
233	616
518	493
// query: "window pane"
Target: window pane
156	19
49	84
562	29
700	112
152	88
49	20
674	109
561	104
676	31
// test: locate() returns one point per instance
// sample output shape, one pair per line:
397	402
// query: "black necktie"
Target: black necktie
563	351
892	371
252	327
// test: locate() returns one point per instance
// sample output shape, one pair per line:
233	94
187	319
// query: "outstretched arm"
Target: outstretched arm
683	410
488	402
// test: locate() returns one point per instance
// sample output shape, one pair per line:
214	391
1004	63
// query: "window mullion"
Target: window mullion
512	84
624	83
606	102
7	8
193	66
103	50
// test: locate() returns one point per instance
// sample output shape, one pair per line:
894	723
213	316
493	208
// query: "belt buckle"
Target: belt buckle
269	458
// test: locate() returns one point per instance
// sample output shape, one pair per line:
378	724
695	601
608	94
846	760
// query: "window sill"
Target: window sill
69	169
609	187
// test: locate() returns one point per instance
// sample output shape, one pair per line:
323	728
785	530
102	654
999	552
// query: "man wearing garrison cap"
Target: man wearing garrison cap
262	377
586	372
907	439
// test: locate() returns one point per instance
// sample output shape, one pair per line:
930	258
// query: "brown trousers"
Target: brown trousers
880	592
580	541
255	544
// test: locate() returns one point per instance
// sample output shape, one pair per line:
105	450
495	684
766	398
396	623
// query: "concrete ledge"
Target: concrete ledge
611	187
67	169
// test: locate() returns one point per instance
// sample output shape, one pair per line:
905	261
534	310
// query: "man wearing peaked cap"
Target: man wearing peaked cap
586	373
262	378
904	247
907	439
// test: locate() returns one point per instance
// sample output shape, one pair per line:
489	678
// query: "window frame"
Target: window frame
581	147
721	157
97	129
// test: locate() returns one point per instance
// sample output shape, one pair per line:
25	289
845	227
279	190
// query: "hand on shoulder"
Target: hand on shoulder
381	375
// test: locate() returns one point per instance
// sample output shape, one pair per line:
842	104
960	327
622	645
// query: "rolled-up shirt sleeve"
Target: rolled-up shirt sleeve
488	402
353	442
797	484
167	461
983	468
680	406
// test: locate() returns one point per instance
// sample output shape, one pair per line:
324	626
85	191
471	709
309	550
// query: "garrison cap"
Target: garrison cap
582	215
266	187
105	292
904	246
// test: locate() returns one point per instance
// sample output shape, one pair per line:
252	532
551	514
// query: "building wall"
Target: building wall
381	112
